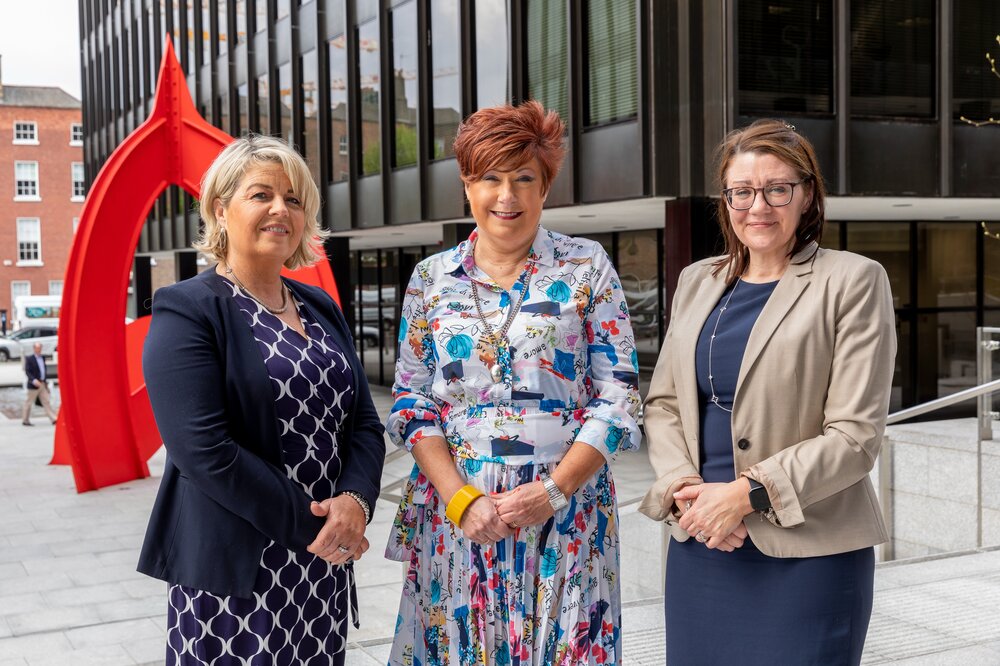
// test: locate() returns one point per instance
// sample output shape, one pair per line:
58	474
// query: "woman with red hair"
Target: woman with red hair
516	384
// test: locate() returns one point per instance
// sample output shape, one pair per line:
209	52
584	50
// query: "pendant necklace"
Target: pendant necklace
711	342
274	311
497	337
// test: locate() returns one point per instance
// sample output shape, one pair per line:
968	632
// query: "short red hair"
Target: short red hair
508	135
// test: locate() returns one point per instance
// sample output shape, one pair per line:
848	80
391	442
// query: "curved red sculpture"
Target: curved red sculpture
106	429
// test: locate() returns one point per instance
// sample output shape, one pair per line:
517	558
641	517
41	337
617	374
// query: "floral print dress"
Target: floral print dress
551	593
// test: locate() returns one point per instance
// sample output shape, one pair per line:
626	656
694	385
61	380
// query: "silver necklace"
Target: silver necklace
284	294
497	337
711	343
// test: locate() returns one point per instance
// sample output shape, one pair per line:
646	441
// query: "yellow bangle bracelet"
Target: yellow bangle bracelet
460	501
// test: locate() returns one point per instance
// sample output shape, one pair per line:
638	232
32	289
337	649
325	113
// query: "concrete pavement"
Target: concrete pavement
69	593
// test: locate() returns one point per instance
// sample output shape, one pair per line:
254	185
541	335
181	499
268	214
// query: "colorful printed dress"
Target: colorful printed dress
551	593
299	611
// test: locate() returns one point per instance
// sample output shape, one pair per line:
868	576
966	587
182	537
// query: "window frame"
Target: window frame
26	141
37	195
77	185
72	128
14	296
21	260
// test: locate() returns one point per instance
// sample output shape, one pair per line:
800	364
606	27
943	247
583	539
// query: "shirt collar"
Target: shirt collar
543	251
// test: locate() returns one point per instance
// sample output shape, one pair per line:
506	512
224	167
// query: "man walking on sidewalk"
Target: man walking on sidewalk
34	367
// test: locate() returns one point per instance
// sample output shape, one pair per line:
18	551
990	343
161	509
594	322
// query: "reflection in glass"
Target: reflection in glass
492	58
242	125
612	81
206	32
339	167
831	236
946	255
261	15
241	21
263	105
946	357
404	83
310	111
223	119
976	91
223	26
285	102
189	34
368	72
785	60
284	9
893	56
889	244
991	266
445	76
638	263
548	73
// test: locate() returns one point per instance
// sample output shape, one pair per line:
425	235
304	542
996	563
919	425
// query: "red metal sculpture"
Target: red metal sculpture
106	428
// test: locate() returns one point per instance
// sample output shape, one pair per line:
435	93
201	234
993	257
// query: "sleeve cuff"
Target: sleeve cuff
417	430
603	436
784	499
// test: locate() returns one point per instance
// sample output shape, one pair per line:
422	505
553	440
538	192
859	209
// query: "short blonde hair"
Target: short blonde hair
223	178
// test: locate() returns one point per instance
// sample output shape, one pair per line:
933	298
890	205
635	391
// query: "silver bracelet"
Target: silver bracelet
362	502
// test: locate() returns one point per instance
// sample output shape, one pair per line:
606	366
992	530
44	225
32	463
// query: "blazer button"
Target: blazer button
744	444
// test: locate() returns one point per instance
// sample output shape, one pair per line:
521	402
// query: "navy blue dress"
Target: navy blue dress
745	607
299	610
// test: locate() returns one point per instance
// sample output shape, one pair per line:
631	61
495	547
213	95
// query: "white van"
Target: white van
36	311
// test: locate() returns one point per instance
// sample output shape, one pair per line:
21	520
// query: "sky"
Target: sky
40	43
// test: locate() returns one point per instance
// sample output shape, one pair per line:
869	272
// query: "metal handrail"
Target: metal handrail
947	401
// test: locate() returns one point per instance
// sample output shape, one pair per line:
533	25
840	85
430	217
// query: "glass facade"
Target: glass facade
492	56
548	65
446	73
404	83
370	78
976	90
612	61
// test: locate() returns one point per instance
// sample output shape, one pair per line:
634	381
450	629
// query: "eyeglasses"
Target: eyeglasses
775	194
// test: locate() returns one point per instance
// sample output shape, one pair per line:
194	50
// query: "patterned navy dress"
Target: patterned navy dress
298	613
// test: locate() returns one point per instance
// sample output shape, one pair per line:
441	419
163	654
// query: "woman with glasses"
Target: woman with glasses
764	417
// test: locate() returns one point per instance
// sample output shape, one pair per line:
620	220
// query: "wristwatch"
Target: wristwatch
556	498
759	499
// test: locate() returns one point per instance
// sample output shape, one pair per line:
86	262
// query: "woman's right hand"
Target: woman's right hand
482	524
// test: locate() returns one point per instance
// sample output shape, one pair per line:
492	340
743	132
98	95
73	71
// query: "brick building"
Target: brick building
42	188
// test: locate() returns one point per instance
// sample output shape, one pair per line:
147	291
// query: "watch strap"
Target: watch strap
556	497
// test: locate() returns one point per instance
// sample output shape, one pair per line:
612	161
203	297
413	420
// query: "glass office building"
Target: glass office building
372	92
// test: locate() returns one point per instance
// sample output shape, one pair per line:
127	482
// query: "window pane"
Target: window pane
946	358
243	100
337	48
55	287
976	89
206	32
991	266
492	82
946	254
263	105
548	80
638	261
368	66
224	112
612	82
241	22
189	34
223	26
889	244
831	236
893	53
785	62
284	8
285	102
260	15
404	83
310	110
446	72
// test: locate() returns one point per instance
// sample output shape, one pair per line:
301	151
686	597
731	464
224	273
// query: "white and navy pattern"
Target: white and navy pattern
299	610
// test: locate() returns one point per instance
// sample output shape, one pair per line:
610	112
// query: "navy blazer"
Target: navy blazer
225	494
31	369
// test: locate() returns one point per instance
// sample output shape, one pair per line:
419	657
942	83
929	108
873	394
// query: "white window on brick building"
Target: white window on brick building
79	188
76	223
29	241
76	134
26	181
19	288
26	132
55	287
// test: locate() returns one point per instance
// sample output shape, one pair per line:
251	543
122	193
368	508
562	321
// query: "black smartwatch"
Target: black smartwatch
759	499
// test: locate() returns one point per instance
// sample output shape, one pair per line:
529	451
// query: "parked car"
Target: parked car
20	342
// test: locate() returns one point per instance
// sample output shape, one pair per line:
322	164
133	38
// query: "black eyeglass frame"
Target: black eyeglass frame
728	194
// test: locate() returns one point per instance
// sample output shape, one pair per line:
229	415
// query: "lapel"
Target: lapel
692	320
789	289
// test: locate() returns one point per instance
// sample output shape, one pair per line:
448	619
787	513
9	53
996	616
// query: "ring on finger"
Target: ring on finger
700	536
687	505
343	549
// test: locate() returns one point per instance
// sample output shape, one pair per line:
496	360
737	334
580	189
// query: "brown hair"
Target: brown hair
497	136
771	137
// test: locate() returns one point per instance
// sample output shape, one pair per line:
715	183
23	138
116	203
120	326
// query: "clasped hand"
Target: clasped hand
716	510
524	505
342	537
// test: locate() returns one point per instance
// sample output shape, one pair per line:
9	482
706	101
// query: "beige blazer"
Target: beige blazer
809	409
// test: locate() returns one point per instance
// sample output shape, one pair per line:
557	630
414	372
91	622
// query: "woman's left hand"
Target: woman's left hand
524	505
716	509
342	535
